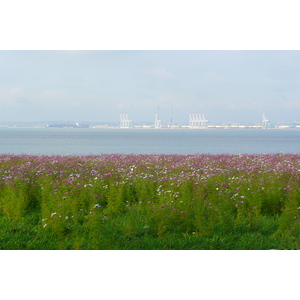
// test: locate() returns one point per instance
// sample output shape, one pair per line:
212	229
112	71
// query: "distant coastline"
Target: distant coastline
146	127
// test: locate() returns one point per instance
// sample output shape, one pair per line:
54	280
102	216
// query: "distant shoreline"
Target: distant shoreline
152	128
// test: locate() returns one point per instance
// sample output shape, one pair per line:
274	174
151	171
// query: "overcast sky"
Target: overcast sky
228	86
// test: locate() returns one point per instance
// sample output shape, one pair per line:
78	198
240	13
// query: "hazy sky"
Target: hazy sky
228	86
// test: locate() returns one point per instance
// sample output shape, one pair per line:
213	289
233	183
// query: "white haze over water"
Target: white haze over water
95	86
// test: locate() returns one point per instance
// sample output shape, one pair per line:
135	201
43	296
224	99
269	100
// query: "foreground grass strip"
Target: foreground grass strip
150	202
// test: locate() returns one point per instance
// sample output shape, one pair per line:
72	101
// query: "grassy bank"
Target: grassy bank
150	202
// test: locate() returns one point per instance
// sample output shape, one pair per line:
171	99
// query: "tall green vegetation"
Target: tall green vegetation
150	202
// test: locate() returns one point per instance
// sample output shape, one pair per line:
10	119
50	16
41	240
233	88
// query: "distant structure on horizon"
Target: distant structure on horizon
157	123
197	121
124	121
67	125
265	121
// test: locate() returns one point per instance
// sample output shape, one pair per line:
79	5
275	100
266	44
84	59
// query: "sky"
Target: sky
96	86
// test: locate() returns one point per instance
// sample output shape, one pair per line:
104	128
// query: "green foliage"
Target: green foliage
164	208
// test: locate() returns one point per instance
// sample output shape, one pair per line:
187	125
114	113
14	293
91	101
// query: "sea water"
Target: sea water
86	141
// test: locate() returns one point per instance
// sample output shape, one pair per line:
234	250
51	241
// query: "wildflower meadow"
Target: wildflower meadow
147	202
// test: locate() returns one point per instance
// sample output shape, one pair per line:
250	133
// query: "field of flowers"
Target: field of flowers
150	202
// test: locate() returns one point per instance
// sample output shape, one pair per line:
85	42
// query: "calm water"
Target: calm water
79	141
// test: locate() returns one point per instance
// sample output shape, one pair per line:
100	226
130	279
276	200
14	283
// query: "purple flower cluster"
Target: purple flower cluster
115	182
72	170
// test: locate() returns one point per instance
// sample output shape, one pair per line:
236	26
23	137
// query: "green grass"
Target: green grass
27	234
150	202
